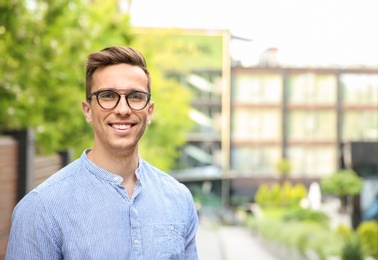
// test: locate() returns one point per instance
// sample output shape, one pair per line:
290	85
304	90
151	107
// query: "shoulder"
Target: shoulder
53	187
63	175
53	191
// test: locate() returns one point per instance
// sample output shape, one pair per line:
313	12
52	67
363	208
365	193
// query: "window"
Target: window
360	125
312	125
312	88
259	89
360	89
312	161
257	160
257	124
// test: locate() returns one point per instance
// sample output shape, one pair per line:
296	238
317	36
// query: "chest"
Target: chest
115	227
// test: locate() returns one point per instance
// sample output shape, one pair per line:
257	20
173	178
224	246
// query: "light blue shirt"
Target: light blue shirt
83	212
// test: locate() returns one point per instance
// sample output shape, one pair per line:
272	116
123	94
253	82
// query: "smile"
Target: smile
120	127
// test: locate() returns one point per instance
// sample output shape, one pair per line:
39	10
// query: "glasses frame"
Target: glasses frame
96	93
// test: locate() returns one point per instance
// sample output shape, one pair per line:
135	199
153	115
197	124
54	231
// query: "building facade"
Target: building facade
302	114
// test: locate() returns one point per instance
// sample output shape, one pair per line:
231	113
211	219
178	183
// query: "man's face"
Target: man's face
120	128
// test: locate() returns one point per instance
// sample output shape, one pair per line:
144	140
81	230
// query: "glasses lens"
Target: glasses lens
108	99
137	100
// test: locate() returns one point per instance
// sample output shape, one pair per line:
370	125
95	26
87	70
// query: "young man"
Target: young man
110	203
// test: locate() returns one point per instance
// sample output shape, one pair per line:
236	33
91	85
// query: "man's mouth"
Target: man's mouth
120	126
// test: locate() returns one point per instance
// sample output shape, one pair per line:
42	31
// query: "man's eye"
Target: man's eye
136	96
108	95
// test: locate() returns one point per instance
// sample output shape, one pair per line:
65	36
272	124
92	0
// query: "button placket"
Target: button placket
135	231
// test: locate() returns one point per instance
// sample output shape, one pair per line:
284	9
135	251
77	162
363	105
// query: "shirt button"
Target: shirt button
171	228
115	178
136	241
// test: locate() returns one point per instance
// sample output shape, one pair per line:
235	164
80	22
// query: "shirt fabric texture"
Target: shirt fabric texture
83	212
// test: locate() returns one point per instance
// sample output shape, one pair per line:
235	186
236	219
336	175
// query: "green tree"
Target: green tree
283	168
343	183
44	45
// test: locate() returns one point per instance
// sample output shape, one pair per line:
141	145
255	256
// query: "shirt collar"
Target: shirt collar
104	174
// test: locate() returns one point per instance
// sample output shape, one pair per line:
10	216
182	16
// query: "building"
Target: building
303	114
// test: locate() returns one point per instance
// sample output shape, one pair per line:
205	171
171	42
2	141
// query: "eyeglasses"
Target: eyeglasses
109	99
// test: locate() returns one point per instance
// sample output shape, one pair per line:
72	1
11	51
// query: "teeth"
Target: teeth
121	127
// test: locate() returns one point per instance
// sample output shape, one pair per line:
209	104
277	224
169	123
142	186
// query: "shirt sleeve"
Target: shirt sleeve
190	243
31	235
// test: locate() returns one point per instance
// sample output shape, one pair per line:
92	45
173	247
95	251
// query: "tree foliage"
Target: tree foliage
342	183
44	45
283	168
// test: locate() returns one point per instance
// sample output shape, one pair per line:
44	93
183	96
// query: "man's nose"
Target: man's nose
122	106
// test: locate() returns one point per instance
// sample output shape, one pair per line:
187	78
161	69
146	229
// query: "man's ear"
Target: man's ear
86	108
150	112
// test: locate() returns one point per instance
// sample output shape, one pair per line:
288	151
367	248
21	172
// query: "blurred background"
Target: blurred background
266	110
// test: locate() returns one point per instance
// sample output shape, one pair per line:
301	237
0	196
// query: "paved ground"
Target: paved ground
228	243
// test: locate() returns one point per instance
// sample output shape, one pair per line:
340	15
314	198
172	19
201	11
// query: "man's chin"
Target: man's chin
123	149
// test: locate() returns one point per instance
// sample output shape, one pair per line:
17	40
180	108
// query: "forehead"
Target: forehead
120	76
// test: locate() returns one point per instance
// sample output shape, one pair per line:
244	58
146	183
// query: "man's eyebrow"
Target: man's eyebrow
121	89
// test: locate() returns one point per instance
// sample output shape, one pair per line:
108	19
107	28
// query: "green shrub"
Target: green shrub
275	194
298	193
324	241
302	236
352	250
262	196
367	233
273	213
285	195
308	215
345	232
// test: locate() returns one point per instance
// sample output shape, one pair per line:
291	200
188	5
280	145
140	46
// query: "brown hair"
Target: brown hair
112	56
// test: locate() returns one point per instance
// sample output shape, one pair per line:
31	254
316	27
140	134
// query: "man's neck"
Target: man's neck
123	164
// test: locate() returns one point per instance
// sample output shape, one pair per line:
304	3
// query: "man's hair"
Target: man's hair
112	56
